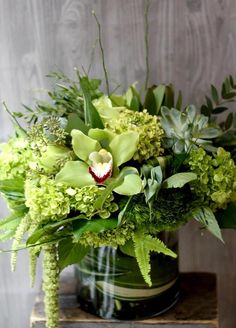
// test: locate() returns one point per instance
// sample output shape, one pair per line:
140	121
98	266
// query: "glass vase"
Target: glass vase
111	286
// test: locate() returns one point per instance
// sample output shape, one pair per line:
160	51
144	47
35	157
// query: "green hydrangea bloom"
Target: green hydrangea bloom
149	129
83	199
114	238
51	201
216	183
46	200
15	158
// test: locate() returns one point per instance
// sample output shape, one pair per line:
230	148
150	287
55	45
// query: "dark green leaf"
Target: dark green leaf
92	118
179	101
229	95
169	96
205	110
214	94
75	122
229	121
94	225
209	103
150	102
70	253
220	109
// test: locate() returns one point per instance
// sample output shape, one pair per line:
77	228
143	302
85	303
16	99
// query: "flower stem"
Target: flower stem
146	36
102	52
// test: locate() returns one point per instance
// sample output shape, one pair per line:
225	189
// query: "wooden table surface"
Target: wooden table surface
196	308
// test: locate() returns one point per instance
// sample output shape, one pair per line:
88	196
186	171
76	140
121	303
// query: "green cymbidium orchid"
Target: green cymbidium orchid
100	154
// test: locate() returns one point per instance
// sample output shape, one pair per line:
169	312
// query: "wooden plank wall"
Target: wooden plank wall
192	44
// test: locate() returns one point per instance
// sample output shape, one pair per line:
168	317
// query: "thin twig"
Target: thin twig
12	115
146	36
102	52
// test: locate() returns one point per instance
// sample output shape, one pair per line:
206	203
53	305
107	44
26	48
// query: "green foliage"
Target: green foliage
178	180
216	102
152	179
143	245
91	116
227	218
64	99
206	217
96	225
70	252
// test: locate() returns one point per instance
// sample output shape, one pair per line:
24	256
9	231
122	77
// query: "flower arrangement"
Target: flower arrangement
94	169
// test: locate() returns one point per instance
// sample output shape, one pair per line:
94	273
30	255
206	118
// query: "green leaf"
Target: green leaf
94	225
152	180
75	122
16	185
229	121
83	145
209	133
179	101
70	252
206	217
75	174
123	147
131	185
50	229
178	180
159	93
209	103
229	95
169	96
214	94
205	110
123	211
92	118
227	218
219	110
128	248
11	222
150	102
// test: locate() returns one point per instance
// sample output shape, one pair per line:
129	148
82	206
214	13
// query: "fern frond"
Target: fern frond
143	245
156	245
143	257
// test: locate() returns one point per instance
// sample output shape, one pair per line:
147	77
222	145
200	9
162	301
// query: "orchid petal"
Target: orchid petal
83	145
123	147
75	174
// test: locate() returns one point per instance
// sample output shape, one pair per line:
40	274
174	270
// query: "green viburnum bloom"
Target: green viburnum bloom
121	119
100	154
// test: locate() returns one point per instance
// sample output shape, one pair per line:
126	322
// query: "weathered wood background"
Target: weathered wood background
192	44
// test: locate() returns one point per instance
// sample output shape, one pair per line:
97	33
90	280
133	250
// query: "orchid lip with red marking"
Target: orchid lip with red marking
101	165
